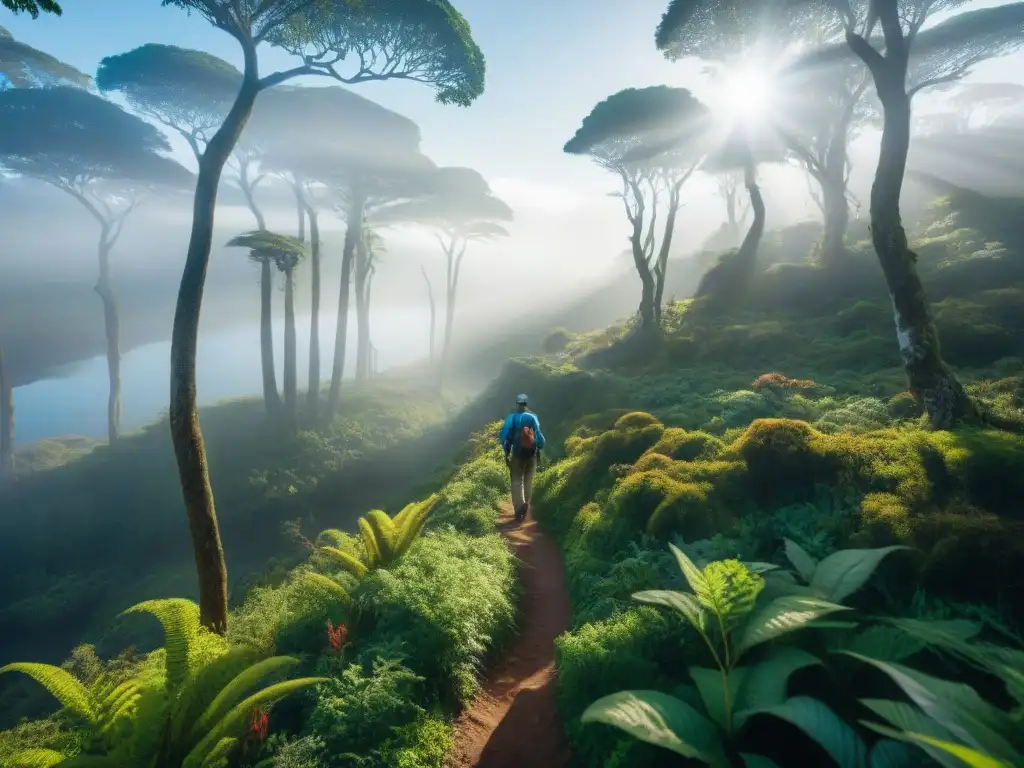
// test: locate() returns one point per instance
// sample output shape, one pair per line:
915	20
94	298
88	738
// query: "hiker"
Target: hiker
522	440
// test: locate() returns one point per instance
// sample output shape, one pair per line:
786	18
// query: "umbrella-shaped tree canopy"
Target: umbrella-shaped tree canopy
22	66
69	135
284	250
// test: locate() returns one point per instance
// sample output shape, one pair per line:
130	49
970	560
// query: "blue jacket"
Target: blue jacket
515	420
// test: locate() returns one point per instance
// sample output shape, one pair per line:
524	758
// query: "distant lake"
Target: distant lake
228	365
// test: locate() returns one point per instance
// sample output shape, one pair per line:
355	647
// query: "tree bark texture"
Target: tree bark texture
186	435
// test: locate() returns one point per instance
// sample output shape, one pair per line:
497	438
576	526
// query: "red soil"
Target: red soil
513	721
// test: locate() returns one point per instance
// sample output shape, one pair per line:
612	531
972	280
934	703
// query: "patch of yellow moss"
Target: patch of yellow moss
683	444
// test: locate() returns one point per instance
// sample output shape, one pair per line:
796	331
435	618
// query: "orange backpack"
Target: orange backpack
525	441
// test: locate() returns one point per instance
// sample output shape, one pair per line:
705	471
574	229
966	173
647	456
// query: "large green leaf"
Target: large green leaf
844	572
35	758
879	642
711	687
803	562
660	719
681	602
780	616
691	572
765	684
955	706
965	755
889	753
907	717
64	687
821	724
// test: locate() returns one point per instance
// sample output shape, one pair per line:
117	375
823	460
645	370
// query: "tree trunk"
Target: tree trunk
271	398
661	269
932	383
837	216
353	231
313	392
362	267
454	265
6	423
647	314
728	279
835	206
433	316
186	435
290	383
112	328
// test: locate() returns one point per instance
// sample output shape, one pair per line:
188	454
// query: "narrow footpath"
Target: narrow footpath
513	721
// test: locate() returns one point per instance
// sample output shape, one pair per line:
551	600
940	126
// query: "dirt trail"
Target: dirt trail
513	721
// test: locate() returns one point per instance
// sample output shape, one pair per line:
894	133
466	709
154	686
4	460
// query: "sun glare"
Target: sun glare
746	95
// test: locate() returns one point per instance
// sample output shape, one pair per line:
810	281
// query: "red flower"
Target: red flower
336	635
259	724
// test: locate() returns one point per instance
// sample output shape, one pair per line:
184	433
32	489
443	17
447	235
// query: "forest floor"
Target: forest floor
514	721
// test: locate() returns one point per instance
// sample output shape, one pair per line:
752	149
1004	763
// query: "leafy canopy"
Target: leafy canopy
22	66
284	250
186	90
459	202
33	7
638	123
70	136
426	41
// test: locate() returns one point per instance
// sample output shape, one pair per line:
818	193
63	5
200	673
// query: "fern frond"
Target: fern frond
329	585
36	758
220	754
64	687
115	704
95	761
346	561
410	523
180	620
373	553
148	724
386	534
242	685
206	684
234	723
332	537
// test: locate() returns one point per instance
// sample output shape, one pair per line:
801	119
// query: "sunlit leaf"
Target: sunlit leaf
955	706
782	615
660	719
691	572
907	717
965	755
844	572
681	602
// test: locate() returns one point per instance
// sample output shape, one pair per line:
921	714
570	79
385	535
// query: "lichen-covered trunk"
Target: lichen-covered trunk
313	393
6	423
353	228
362	267
271	397
933	384
186	435
112	329
290	378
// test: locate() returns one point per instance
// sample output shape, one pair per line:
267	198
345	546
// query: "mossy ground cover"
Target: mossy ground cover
784	418
416	637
